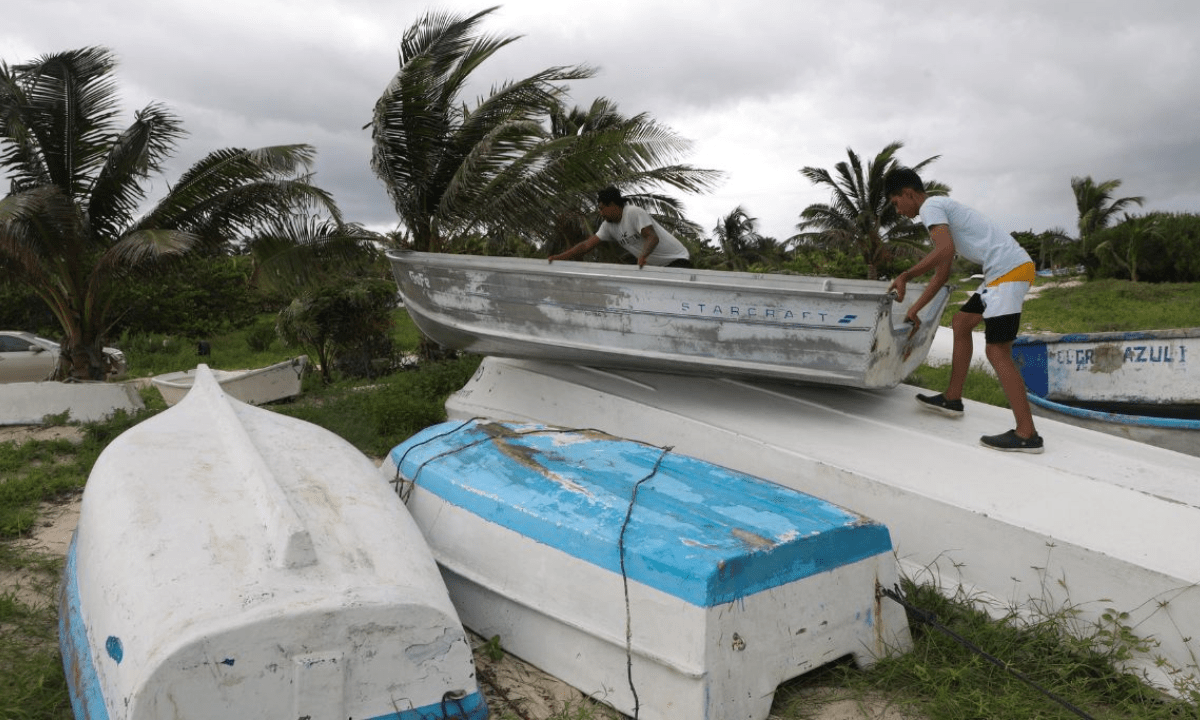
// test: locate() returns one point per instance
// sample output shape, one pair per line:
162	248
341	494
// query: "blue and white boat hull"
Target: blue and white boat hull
1142	385
652	581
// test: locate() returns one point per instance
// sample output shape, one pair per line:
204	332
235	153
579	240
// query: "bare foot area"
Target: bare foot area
22	433
36	584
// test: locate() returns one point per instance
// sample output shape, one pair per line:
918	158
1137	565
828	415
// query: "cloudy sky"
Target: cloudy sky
1017	97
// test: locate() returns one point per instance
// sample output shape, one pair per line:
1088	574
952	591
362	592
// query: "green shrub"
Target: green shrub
261	335
351	322
194	297
1159	247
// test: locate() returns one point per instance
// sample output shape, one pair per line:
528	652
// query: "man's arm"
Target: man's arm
579	249
940	260
651	239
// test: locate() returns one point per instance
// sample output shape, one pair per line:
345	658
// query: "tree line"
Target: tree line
514	173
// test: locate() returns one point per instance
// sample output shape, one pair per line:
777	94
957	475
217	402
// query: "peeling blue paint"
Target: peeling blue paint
703	533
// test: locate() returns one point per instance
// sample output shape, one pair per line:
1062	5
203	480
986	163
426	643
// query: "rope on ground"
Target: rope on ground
931	620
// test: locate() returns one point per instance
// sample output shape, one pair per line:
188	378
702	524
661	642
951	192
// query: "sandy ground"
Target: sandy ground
510	685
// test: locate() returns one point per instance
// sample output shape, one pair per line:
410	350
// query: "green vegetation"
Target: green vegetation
942	678
1109	305
938	679
515	161
32	684
377	417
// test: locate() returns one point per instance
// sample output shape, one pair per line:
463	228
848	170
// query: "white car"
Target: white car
25	357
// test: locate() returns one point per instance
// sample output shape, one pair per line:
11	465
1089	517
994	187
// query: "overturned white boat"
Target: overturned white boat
1097	526
257	386
704	322
660	584
232	562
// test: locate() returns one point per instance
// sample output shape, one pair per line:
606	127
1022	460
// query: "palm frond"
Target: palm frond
514	159
297	253
231	190
139	151
61	118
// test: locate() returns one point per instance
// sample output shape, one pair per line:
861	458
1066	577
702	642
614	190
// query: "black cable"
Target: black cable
625	580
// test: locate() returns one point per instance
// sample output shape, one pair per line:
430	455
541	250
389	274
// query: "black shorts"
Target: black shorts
681	262
996	330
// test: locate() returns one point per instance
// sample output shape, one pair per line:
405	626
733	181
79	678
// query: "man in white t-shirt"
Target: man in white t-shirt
635	230
1008	273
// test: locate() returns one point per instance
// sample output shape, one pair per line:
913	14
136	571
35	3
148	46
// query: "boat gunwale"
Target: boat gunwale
765	283
173	379
1148	421
1107	336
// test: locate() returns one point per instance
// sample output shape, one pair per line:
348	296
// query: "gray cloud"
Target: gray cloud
1016	97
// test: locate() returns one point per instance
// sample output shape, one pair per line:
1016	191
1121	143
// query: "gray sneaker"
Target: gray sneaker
1012	442
939	404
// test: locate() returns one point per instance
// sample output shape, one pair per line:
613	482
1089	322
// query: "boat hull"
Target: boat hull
1151	367
657	583
83	402
257	387
1095	526
790	327
1142	385
231	562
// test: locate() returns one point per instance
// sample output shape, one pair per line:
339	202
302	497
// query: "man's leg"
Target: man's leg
1000	356
963	324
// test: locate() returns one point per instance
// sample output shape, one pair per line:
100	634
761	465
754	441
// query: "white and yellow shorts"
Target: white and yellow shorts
1000	303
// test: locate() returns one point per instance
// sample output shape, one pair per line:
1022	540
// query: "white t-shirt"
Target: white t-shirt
628	232
976	237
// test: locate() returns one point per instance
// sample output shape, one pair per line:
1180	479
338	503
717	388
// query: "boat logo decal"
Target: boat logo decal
761	313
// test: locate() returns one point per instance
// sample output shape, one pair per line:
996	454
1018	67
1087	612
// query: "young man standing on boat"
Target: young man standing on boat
1008	273
635	230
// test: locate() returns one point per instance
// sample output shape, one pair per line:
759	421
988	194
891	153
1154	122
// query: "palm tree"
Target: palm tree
516	160
1096	205
71	227
737	236
1140	230
860	217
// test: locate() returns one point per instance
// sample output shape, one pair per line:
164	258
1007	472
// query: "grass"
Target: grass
1109	305
942	678
250	347
938	679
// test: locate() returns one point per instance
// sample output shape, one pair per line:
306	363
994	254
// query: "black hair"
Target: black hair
900	179
611	196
